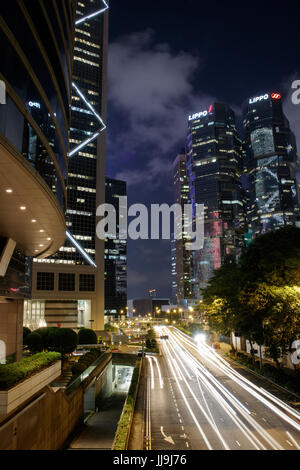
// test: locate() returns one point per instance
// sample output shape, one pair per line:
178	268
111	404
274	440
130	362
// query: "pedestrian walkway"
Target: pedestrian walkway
261	381
99	431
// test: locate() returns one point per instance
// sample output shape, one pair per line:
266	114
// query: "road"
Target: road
196	400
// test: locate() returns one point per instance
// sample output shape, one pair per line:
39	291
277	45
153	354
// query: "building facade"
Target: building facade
181	264
271	165
115	256
69	286
36	70
214	167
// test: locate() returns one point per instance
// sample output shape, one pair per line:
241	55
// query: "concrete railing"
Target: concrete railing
15	396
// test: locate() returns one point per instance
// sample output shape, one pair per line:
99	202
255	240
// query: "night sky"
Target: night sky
168	59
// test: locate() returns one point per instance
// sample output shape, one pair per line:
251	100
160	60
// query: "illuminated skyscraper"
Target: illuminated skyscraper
36	67
214	166
76	296
115	256
181	265
271	163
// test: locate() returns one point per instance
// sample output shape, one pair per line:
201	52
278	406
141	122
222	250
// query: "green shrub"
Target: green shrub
85	361
123	425
26	332
34	342
11	374
63	340
87	336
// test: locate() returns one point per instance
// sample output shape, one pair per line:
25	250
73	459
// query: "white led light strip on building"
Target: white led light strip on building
92	15
86	102
80	249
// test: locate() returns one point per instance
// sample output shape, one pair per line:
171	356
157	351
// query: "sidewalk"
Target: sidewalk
99	431
288	397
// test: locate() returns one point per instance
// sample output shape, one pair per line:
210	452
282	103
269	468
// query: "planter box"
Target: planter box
15	396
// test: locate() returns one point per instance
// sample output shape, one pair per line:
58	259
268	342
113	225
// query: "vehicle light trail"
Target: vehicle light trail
159	372
216	361
185	363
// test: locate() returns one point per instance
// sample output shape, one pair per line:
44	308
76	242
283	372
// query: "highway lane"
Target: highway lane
198	401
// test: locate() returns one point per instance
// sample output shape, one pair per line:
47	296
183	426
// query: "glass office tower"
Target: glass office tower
36	69
271	164
182	256
115	256
76	296
214	166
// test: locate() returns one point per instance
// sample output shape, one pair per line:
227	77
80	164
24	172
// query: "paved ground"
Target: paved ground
198	401
99	431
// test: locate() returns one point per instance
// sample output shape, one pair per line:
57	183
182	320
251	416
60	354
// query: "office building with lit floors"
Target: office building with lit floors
271	165
68	288
115	255
36	69
181	265
214	166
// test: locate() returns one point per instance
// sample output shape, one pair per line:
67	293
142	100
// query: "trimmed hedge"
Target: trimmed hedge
85	361
11	374
87	336
123	426
278	376
34	342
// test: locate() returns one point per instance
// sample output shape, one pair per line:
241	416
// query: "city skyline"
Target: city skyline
181	71
150	229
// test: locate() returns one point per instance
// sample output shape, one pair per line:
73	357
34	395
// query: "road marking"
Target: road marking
167	438
187	444
238	443
289	443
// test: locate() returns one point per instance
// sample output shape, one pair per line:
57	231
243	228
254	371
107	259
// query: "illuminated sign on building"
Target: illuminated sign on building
34	105
201	114
276	96
259	98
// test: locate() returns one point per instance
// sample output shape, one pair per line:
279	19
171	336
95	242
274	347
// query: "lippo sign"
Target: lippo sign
194	116
274	96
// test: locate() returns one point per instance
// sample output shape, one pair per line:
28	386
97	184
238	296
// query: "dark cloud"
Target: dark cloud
151	93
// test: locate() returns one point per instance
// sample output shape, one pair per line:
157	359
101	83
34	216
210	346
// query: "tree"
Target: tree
26	332
63	340
34	342
259	296
272	258
87	336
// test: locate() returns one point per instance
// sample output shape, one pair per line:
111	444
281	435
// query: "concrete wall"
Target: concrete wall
11	326
45	423
47	420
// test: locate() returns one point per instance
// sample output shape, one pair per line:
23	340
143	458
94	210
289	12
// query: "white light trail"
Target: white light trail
159	372
152	372
293	440
189	408
216	361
